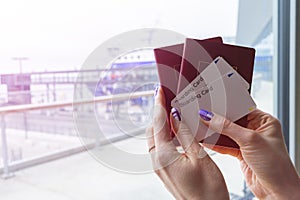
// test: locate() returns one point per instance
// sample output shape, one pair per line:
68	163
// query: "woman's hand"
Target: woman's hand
264	159
188	175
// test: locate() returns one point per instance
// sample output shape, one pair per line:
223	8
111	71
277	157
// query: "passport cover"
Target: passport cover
168	61
198	55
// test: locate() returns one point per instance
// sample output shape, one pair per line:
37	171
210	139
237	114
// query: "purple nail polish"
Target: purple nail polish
206	115
176	114
156	90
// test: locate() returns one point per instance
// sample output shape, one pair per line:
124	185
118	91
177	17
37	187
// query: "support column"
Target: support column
295	84
282	62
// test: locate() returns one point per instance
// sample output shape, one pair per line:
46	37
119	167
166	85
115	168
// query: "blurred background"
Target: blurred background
43	47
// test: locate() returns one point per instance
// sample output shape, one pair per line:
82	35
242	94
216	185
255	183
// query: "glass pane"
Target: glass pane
263	86
43	47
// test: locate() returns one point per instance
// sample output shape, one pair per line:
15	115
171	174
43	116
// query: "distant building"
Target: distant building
18	88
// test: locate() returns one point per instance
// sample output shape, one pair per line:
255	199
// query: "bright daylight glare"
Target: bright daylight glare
43	45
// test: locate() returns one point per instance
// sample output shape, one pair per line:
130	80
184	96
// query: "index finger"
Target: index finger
226	127
161	130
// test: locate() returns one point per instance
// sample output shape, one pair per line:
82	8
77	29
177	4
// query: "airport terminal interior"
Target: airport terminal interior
77	80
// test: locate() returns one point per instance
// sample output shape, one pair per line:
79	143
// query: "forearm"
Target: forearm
289	191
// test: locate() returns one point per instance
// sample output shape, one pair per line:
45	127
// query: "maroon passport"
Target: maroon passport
168	60
198	54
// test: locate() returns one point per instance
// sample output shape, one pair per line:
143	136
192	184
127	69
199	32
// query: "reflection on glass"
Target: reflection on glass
58	48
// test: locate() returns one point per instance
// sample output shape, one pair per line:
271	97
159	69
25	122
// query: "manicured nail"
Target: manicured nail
176	114
206	115
156	89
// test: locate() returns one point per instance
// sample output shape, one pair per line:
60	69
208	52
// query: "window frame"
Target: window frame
294	133
281	23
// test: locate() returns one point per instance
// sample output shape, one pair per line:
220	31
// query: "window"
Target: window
55	47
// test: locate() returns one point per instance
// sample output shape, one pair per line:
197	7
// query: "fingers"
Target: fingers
255	114
150	139
161	131
224	150
226	127
257	119
183	133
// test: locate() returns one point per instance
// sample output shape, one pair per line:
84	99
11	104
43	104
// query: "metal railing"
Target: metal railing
8	168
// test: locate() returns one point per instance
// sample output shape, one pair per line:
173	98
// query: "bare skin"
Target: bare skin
192	174
188	175
263	156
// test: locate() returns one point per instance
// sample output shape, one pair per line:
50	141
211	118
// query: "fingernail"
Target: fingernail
156	90
206	115
176	114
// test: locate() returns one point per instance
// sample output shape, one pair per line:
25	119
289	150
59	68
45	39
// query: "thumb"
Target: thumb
226	127
183	133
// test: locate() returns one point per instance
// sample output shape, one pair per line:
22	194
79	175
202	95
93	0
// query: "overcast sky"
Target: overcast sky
60	34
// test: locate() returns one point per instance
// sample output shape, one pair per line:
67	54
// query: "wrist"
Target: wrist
220	195
289	185
291	192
